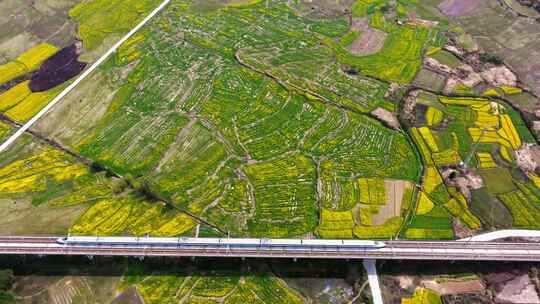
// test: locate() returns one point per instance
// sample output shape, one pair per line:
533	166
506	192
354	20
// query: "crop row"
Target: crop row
343	193
459	208
38	171
270	37
284	195
524	212
400	58
5	130
336	224
133	217
185	122
388	230
338	193
20	104
433	116
485	160
372	191
494	127
220	286
432	234
98	18
318	75
27	62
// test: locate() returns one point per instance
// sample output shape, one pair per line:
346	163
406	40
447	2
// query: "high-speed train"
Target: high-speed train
216	242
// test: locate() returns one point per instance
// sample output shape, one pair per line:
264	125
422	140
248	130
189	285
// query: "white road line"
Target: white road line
94	66
499	234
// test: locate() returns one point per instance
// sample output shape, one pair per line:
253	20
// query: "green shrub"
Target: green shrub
491	58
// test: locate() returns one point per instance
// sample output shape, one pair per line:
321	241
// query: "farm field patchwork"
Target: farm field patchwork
114	17
229	143
401	56
374	208
42	183
500	31
27	62
482	186
19	98
330	119
222	285
264	129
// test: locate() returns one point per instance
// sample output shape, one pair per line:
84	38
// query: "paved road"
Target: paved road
413	250
500	234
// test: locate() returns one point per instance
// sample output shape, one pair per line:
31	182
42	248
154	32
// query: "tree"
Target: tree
6	297
6	278
491	58
118	185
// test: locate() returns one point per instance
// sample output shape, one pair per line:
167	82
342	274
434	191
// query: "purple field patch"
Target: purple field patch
456	8
59	68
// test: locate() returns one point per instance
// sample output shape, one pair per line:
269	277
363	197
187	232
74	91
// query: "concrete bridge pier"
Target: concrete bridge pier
371	269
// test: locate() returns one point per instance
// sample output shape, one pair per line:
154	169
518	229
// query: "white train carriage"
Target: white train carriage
217	242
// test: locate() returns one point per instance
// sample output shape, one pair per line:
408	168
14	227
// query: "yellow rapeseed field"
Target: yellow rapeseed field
511	90
474	103
372	191
429	139
535	179
491	92
486	120
509	132
433	116
11	70
31	105
506	154
432	179
388	230
176	226
35	56
26	62
425	204
14	95
113	216
422	146
458	207
489	136
336	224
30	174
485	160
422	296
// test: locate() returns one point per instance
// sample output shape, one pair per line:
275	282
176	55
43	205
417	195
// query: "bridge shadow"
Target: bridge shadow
156	266
434	268
226	267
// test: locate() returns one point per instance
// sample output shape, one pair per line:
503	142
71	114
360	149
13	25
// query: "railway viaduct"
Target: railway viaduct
403	250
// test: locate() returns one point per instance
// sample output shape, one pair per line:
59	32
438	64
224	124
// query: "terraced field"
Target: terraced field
220	287
207	123
400	58
54	193
257	119
368	119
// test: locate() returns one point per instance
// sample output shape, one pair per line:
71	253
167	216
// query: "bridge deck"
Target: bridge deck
413	250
